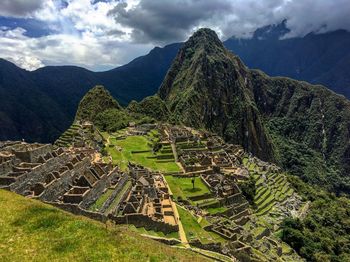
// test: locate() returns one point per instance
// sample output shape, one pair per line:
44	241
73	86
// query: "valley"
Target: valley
222	164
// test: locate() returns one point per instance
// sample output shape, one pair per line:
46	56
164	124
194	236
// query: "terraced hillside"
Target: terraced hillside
32	229
129	146
272	188
80	134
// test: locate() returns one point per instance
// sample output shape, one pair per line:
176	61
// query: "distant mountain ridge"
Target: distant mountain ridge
315	58
29	100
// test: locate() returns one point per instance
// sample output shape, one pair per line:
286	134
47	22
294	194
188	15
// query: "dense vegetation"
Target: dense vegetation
324	233
98	99
205	88
31	230
112	120
248	188
151	106
316	58
105	112
304	128
40	105
310	129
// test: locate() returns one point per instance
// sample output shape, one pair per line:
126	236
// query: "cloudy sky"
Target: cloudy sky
103	34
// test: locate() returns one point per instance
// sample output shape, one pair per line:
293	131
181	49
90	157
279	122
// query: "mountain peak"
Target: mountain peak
204	37
205	33
208	87
96	100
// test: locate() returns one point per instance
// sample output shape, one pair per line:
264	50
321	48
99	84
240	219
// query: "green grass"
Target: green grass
100	201
142	230
182	186
33	231
206	202
215	210
119	196
139	143
194	230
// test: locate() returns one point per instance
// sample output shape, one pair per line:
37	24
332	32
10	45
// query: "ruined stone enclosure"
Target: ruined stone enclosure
201	204
71	180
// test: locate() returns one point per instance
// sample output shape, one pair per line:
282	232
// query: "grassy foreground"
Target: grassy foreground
33	231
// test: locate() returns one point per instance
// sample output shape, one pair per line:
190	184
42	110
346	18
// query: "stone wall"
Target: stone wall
32	155
25	181
63	184
117	190
148	223
76	210
215	247
5	167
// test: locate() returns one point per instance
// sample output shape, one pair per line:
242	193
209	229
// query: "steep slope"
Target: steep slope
39	105
25	111
316	58
206	87
309	126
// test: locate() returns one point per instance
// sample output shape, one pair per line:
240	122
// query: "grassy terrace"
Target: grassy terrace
194	229
182	186
100	201
117	199
142	230
33	231
270	188
123	151
216	210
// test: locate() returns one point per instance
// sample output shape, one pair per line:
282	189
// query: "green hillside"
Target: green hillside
33	231
98	99
304	128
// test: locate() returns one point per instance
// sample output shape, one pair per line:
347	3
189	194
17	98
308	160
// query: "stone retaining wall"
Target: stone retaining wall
148	223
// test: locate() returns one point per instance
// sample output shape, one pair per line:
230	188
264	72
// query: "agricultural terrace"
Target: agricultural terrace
182	189
194	228
271	188
139	149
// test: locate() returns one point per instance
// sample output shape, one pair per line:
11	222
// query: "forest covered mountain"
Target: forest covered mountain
304	127
316	58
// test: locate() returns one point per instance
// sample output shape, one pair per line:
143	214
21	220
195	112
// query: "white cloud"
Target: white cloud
173	20
103	34
87	37
104	52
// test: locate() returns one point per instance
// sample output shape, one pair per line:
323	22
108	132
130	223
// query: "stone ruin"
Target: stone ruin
71	180
148	203
55	175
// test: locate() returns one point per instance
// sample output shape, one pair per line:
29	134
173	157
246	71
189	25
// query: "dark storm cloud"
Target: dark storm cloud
164	21
173	20
19	8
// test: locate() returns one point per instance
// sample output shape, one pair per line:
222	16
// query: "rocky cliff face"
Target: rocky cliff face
208	87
